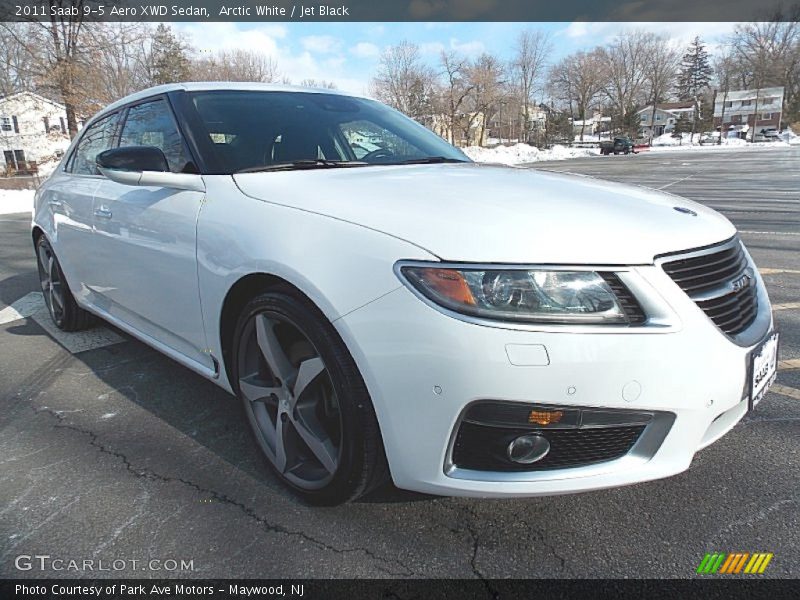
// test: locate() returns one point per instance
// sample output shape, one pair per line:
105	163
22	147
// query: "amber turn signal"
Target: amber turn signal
541	417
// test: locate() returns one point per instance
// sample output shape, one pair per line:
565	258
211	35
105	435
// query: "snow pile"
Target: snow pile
16	201
790	137
519	154
666	142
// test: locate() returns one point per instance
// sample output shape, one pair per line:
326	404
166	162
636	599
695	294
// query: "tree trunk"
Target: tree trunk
722	117
755	118
652	123
694	118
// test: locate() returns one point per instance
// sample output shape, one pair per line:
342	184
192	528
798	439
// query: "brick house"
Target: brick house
745	109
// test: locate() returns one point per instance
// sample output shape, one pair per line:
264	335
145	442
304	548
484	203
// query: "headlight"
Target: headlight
538	296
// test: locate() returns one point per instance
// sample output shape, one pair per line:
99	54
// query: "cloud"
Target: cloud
365	50
431	47
322	44
214	36
470	48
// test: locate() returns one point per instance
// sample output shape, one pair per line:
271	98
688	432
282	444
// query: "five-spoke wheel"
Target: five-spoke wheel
66	313
305	400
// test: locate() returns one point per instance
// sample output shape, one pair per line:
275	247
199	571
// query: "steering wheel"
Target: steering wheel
376	154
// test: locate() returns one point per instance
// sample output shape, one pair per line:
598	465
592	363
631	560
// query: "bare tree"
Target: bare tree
527	67
576	81
120	52
768	53
624	72
318	83
725	69
486	77
58	49
661	71
404	82
16	62
236	65
455	89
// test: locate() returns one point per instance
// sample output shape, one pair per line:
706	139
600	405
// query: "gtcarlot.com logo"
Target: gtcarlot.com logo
734	563
45	562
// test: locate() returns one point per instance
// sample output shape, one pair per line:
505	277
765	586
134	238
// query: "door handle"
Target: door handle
102	213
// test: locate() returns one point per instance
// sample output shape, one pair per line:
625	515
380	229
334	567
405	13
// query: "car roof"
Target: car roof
202	86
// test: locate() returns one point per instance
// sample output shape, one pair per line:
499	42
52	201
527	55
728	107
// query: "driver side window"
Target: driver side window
365	137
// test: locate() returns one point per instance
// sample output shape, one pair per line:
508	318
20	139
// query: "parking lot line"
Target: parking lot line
786	306
23	308
785	390
787	365
767	271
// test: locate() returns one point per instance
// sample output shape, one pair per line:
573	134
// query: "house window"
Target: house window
658	117
63	125
15	159
747	102
729	104
46	122
767	100
766	116
6	124
644	117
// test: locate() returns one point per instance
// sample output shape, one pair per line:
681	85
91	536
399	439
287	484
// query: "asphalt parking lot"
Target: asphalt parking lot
117	453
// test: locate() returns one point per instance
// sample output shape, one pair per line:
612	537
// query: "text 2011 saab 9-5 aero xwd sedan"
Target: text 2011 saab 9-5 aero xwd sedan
384	307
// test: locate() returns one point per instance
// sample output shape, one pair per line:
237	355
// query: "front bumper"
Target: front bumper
423	368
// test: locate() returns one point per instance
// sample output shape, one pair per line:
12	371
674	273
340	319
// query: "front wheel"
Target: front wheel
305	400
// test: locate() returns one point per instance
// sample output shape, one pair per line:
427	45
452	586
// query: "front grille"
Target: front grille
708	279
484	447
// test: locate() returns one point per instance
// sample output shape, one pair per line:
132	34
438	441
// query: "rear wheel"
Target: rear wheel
305	400
58	298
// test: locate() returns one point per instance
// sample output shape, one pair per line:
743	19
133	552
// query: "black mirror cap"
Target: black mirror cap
133	158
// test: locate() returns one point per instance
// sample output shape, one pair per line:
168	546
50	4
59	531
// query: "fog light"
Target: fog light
527	449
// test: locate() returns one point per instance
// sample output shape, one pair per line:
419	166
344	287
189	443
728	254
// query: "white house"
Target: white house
666	115
33	129
744	109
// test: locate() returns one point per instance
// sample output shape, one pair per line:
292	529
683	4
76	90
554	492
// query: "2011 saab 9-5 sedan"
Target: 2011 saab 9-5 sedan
384	307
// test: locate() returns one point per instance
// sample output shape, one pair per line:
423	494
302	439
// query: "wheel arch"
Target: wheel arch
240	293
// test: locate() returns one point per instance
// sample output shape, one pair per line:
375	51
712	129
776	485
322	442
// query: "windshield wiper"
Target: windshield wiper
429	160
296	165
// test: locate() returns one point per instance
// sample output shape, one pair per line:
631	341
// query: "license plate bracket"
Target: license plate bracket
763	369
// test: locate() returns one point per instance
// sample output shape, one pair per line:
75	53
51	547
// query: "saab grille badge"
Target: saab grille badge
686	211
741	283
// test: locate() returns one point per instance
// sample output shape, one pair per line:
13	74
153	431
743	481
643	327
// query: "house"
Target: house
666	115
740	110
33	129
595	125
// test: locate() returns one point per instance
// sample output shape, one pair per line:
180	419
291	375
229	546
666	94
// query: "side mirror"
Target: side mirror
144	166
133	158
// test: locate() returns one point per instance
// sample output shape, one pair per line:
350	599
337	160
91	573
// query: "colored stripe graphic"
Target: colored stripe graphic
734	563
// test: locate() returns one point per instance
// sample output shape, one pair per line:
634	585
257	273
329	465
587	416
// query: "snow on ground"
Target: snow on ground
16	201
667	143
523	153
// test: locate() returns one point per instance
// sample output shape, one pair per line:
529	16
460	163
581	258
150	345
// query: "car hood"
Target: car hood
485	213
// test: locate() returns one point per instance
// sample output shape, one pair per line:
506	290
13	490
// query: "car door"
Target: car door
68	199
146	241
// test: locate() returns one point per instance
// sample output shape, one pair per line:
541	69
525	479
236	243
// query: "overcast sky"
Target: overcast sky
347	53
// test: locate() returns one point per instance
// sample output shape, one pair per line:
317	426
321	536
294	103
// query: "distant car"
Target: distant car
770	134
620	145
468	329
709	137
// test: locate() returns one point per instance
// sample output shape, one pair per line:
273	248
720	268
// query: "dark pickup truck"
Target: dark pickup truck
620	145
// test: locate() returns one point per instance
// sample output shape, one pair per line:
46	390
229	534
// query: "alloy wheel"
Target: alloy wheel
52	285
290	400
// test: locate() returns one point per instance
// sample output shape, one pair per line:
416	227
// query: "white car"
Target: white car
465	329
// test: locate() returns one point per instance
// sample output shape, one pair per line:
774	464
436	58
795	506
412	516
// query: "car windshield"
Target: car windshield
274	130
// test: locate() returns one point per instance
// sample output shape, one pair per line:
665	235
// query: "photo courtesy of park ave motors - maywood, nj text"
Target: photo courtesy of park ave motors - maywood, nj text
447	297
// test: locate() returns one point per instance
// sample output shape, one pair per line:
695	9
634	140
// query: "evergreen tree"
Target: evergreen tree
169	60
682	126
695	77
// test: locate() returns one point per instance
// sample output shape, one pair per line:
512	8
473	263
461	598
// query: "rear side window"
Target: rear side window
151	124
97	138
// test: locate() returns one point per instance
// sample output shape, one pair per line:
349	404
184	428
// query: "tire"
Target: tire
303	395
58	298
